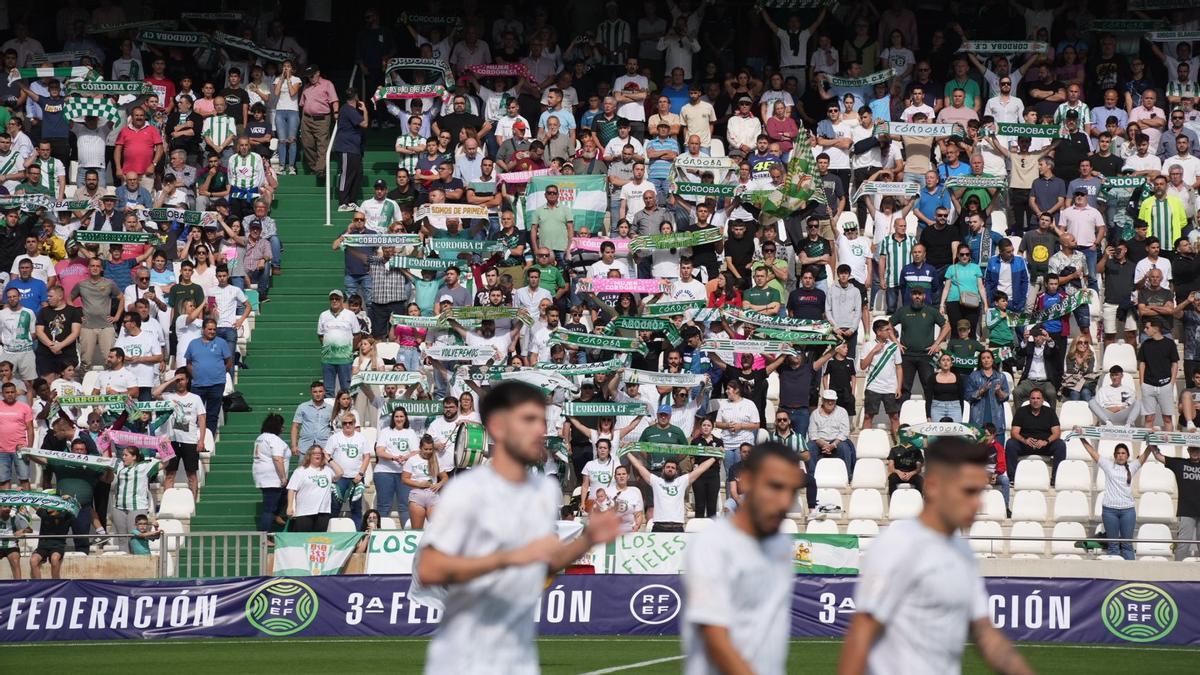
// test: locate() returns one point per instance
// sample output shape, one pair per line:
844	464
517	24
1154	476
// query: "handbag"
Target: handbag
969	299
235	402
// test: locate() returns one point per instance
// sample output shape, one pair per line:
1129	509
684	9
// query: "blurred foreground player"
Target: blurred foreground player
919	592
493	544
738	614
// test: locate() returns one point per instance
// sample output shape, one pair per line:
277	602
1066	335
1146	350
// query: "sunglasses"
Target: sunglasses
551	192
358	220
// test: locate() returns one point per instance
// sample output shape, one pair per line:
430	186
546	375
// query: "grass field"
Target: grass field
566	655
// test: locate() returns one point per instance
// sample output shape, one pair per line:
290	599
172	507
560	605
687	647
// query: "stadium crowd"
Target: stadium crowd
981	216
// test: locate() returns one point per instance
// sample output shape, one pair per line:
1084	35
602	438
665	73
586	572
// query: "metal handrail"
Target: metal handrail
329	156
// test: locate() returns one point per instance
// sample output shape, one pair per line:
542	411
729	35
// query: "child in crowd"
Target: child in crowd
140	543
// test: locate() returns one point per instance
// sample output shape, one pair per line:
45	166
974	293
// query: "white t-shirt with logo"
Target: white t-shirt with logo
228	297
43	266
337	332
633	111
16	329
266	448
417	468
855	253
742	412
347	451
629	502
397	441
600	475
142	344
185	422
312	488
669	499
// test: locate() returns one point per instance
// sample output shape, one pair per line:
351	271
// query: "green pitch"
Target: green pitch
645	656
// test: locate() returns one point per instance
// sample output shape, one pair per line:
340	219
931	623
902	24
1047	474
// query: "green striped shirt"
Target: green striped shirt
1085	113
794	440
409	141
218	128
1161	224
247	172
132	485
899	254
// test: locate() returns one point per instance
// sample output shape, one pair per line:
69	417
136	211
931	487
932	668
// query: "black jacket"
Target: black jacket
1053	359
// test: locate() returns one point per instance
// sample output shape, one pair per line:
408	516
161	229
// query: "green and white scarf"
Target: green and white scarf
983	182
937	429
1116	433
671	449
415	407
410	263
663	379
674	308
80	107
416	321
1003	46
1176	35
16	499
1160	4
882	362
201	218
1069	304
172	38
882	187
235	42
573	369
97	237
1125	26
609	343
660	242
110	88
402	378
212	16
93	462
35	202
61	73
918	129
430	19
436	65
644	323
59	57
459	353
486	312
122	27
748	347
688	189
1021	129
860	82
376	240
395	92
794	337
604	408
465	246
754	318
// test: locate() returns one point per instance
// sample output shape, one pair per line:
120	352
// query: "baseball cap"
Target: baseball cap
1081	191
963	323
337	293
850	225
255	225
380	185
519	125
446	298
664	410
828	395
1072	114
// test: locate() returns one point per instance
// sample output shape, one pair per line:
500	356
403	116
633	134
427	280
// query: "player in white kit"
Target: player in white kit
919	592
493	543
737	618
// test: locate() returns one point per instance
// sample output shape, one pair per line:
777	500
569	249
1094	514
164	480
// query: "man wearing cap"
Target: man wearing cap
336	328
514	147
828	436
1116	401
1086	224
743	129
918	340
317	103
380	210
662	432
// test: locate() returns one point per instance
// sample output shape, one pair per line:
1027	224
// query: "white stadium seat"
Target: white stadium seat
1070	505
1066	549
1029	505
1075	451
1073	474
1155	477
788	526
831	497
178	503
697	524
831	473
905	503
1032	474
866	530
1027	548
387	351
1155	507
1121	354
866	504
341	525
821	527
913	412
873	444
869	473
388	523
1153	531
986	547
1076	414
992	506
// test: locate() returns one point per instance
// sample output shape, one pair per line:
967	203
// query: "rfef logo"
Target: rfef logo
1139	613
281	607
655	604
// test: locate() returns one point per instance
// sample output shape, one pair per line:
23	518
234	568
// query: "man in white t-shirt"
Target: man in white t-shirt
919	594
442	430
633	199
486	567
608	261
116	378
630	90
669	491
687	287
143	353
740	574
882	364
188	429
227	298
43	265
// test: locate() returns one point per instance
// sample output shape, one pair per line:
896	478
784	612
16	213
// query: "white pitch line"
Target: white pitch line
634	666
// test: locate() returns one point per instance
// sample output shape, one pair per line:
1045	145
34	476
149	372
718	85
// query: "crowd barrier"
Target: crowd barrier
1053	610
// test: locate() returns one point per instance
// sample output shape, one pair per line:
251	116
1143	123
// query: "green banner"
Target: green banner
376	240
610	343
96	237
767	321
111	88
572	369
486	312
465	246
669	449
415	321
105	400
663	379
16	499
794	337
1015	129
1111	182
402	378
659	242
604	408
980	182
585	195
93	462
416	407
825	553
202	218
658	309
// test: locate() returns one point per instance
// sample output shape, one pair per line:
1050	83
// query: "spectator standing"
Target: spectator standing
336	328
348	450
348	144
99	295
131	492
669	491
1117	505
1187	478
139	148
318	101
309	494
211	361
270	470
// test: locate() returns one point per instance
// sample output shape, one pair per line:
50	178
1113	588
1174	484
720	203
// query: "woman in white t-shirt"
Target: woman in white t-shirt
348	449
898	57
628	501
1117	505
738	418
598	474
286	92
270	469
310	492
605	429
426	478
188	326
466	408
393	447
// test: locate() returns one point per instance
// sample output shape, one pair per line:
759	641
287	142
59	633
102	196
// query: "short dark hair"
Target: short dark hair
272	424
951	451
509	395
760	452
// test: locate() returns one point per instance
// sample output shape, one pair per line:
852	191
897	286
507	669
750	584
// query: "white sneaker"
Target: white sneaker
291	170
345	207
352	206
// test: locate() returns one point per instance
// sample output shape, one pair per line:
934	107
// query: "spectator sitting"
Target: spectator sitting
904	466
828	436
1035	431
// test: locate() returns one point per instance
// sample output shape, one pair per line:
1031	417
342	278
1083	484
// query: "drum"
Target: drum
470	445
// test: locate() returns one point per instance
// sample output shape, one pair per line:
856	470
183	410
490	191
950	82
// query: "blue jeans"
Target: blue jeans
940	409
272	500
893	299
844	451
211	395
345	484
229	335
287	123
410	357
360	285
1119	523
276	252
335	373
261	279
663	188
391	492
1089	254
614	211
1084	394
1004	486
